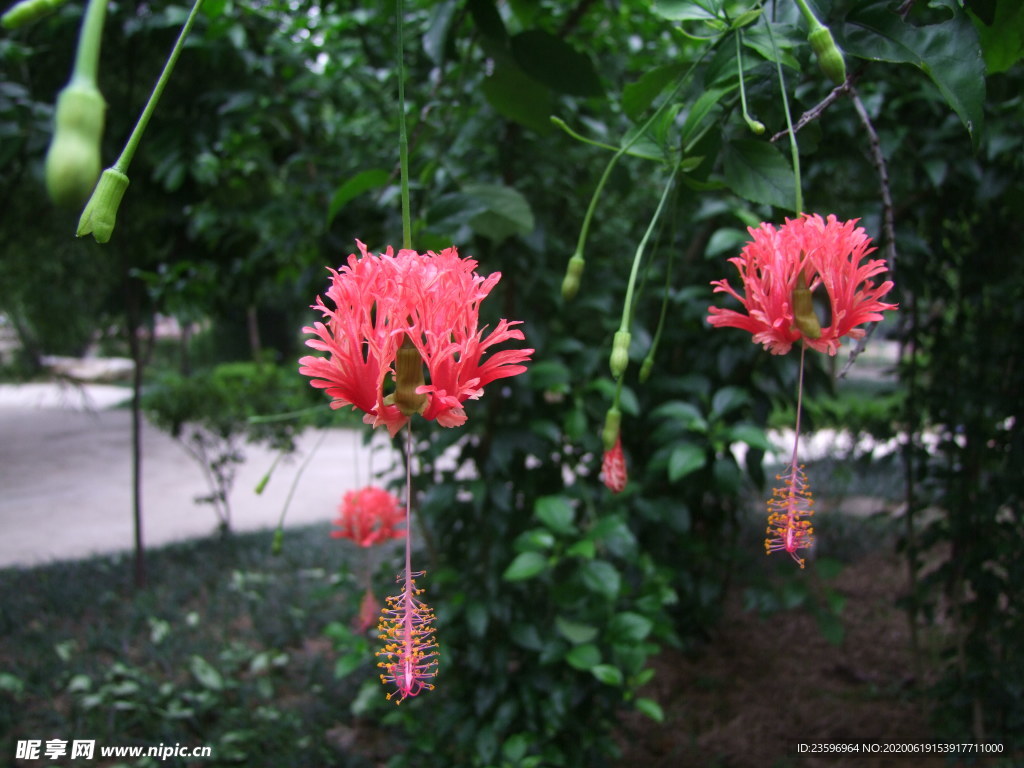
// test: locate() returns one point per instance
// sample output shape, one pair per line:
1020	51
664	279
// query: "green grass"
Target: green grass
225	647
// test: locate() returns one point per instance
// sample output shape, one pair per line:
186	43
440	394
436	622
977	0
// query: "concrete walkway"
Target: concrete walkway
65	477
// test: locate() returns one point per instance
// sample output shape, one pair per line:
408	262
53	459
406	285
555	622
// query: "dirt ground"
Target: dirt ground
762	686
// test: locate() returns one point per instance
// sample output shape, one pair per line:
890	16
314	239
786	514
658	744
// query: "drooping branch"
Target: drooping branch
888	219
816	111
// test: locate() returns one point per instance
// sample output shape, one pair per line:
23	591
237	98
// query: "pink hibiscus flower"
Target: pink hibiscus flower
829	255
429	302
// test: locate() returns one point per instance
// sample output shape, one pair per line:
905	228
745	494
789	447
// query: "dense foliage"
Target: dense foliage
274	149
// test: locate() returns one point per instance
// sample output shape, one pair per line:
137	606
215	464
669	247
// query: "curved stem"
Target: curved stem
133	141
794	150
628	304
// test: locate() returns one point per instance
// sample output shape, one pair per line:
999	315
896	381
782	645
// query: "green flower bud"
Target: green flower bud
645	369
278	544
28	11
830	57
612	422
756	126
620	353
101	210
571	283
73	160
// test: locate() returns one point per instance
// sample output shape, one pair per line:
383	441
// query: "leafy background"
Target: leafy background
274	148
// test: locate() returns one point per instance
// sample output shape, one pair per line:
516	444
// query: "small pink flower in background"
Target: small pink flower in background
433	301
829	254
369	516
369	610
410	653
613	468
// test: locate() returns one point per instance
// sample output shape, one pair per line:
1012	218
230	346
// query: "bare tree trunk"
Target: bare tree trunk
253	322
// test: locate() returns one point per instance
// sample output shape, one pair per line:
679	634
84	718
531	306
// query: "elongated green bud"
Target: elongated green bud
573	273
620	353
408	377
612	423
28	11
830	56
804	317
101	211
645	369
73	160
278	544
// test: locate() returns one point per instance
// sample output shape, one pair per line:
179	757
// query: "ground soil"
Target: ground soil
762	685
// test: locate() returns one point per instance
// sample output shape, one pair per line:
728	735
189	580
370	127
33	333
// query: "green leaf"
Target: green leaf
607	674
687	414
601	577
757	171
556	513
700	109
1002	39
437	32
584	657
575	632
630	627
357	185
584	548
728	399
638	95
525	566
518	97
948	52
684	459
550	60
750	434
348	664
688	10
534	540
505	211
206	675
651	708
487	19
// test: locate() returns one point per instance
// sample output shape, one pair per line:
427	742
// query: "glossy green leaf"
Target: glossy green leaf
525	566
556	513
601	577
752	435
205	674
651	708
357	185
607	674
1002	39
575	632
505	211
550	60
631	627
684	460
948	52
435	37
757	171
584	657
687	414
639	95
728	399
688	10
518	97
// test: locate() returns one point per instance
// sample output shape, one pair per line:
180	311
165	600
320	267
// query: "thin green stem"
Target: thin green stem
87	57
794	150
754	125
627	305
812	20
560	123
403	138
585	228
133	141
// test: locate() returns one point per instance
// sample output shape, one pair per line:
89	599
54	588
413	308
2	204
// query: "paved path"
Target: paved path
65	477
